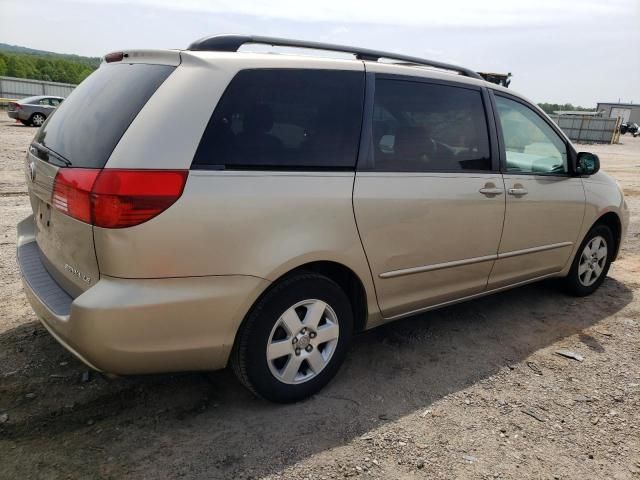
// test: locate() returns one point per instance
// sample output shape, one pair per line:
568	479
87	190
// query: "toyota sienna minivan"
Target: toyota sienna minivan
199	208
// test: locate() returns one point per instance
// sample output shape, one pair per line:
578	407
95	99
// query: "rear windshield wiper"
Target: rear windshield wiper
46	154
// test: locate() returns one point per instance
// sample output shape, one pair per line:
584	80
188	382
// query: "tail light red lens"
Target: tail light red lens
72	192
114	198
14	106
123	198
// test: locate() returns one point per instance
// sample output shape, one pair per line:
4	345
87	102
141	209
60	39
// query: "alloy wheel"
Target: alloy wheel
302	341
592	261
37	120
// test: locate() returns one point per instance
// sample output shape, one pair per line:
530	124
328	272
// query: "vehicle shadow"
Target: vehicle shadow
206	425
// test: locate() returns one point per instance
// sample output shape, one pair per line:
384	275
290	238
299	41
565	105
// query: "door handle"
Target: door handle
517	191
490	191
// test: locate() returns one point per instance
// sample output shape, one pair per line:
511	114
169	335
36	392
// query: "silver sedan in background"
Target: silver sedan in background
33	111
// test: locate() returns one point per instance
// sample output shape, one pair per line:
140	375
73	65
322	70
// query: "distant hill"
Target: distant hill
92	61
24	62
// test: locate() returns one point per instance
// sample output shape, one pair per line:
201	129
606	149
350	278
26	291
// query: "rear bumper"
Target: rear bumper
135	326
14	114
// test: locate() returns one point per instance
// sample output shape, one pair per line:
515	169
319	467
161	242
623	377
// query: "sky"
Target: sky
559	51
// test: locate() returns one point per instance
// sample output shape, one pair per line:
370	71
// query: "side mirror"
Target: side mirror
587	163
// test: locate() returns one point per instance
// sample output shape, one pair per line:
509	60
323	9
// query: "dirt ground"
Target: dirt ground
471	391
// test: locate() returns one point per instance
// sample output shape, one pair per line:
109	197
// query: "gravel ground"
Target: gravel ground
472	391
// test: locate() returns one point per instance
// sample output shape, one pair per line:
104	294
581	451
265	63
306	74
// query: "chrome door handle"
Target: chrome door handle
517	191
491	191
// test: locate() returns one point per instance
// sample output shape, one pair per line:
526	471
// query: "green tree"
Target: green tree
16	67
52	67
3	65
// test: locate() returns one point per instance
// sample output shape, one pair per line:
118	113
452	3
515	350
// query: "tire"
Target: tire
37	119
264	357
583	281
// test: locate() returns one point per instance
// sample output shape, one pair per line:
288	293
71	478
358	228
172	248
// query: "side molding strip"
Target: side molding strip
437	266
552	246
470	261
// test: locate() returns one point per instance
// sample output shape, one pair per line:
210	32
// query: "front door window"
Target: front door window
531	145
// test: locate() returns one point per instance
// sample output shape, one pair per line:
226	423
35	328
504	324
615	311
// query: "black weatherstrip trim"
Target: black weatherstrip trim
490	118
502	163
365	157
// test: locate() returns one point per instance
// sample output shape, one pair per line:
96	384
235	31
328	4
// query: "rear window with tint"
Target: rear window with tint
424	127
86	127
30	100
285	119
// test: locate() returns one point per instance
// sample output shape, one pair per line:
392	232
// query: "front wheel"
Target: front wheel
592	262
294	339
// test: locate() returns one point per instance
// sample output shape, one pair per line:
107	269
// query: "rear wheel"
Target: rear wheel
37	119
294	339
592	262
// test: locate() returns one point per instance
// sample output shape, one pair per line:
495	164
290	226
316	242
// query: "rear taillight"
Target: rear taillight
72	192
123	198
114	198
14	106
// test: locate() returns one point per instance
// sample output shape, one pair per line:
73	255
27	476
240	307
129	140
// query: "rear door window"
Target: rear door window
285	119
424	127
85	128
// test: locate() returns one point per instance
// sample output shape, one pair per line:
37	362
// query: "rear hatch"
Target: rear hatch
66	157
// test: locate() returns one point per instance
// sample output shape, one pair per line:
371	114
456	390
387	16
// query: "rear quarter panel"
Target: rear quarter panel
262	224
27	110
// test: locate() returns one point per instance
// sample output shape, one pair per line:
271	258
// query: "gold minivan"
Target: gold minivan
199	208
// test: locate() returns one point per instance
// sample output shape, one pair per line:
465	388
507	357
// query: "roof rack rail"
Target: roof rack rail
231	43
